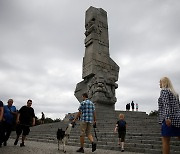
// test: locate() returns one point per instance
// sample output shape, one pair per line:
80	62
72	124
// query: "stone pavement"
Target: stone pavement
33	147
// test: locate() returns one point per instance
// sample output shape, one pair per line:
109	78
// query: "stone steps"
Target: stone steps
131	147
143	133
113	138
104	138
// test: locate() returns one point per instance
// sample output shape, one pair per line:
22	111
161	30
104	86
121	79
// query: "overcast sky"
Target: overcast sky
42	47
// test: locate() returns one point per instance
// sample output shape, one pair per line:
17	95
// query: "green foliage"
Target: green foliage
153	113
57	120
37	121
48	120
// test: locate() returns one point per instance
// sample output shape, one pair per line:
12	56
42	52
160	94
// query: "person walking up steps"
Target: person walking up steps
121	128
87	113
25	119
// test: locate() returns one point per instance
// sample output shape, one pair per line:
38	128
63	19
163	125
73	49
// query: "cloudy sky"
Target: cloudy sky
42	47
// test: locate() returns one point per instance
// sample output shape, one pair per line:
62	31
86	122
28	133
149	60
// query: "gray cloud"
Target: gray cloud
42	46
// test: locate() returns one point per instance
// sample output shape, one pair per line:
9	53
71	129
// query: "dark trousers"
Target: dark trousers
7	130
1	133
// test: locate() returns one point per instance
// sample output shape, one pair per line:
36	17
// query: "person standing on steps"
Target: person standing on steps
136	106
42	118
88	116
25	119
132	105
128	107
169	113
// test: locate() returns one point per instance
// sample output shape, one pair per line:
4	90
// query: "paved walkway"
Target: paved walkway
33	147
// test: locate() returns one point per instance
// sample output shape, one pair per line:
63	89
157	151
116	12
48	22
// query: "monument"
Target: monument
100	72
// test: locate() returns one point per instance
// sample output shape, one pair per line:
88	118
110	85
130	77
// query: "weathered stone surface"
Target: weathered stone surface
100	72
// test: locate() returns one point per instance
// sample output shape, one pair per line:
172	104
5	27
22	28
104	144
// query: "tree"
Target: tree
48	120
57	120
153	113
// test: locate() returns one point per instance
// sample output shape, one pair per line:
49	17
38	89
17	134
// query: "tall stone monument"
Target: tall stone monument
100	72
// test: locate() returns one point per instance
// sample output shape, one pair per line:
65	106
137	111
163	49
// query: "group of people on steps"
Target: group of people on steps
168	108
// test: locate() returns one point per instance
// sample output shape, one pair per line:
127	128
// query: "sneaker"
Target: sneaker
93	147
5	143
122	150
22	144
80	150
16	141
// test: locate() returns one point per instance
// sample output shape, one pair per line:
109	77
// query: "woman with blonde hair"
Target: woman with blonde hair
169	113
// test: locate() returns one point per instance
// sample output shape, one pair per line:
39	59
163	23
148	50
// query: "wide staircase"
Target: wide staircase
143	133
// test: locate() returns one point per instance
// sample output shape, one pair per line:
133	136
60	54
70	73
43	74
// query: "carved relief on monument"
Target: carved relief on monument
91	27
96	28
103	86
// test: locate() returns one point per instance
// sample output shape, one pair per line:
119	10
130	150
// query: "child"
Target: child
121	127
136	106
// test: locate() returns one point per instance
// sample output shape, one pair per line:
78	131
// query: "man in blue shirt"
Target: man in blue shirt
9	119
88	116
